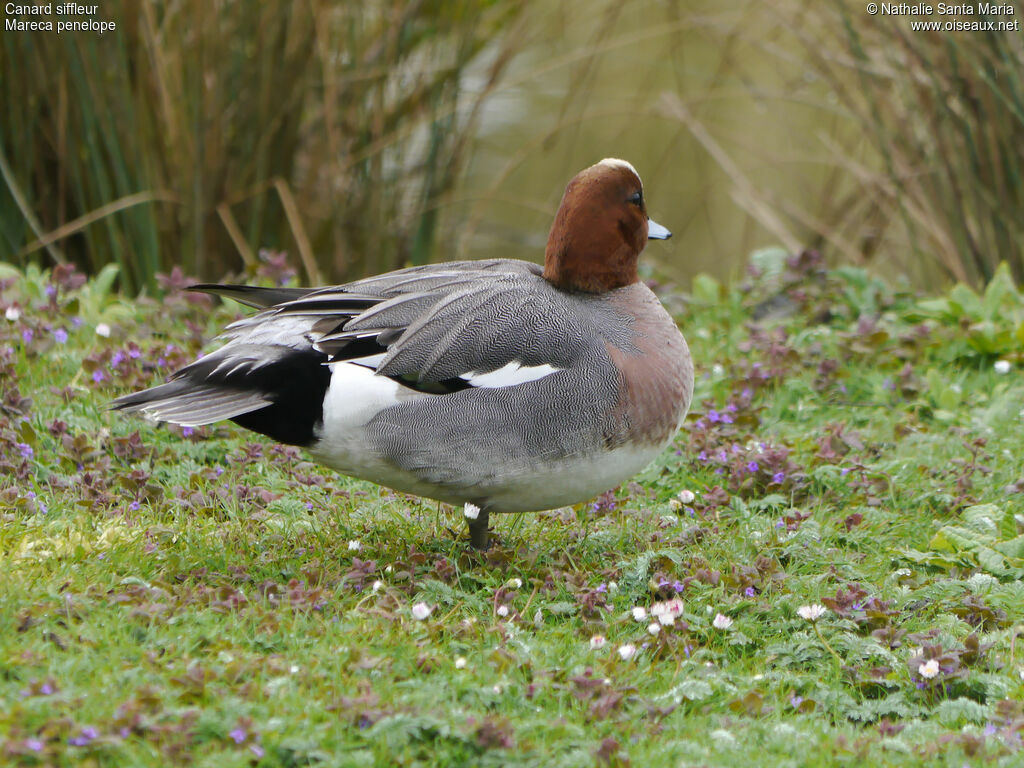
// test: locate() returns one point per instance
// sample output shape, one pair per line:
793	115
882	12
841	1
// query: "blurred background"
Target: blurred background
362	137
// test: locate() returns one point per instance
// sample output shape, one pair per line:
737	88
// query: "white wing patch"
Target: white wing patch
509	375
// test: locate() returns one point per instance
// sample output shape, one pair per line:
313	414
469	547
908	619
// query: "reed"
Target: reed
919	148
200	132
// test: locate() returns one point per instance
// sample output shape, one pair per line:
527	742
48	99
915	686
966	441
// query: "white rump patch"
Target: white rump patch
509	375
615	162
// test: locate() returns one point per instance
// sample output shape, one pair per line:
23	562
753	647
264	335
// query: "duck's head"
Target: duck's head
600	229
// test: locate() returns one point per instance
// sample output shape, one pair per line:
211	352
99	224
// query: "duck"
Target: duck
495	385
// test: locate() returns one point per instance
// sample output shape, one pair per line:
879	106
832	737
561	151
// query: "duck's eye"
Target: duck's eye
637	198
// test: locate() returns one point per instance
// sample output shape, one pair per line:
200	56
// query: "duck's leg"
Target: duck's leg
478	520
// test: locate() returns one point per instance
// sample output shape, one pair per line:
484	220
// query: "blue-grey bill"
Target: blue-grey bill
657	232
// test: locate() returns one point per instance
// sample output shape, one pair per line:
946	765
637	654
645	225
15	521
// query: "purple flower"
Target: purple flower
727	419
257	750
61	336
134	506
779	477
116	359
85	737
699	424
34	744
238	735
678	586
795	701
991	730
51	290
187	431
714	417
160	362
76	322
749	592
25	450
46	689
753	466
134	353
26	335
722	455
98	376
702	456
731	408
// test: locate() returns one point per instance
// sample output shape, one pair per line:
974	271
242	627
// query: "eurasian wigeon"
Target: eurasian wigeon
497	385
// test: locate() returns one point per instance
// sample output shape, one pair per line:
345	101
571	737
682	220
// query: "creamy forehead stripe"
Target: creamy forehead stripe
614	162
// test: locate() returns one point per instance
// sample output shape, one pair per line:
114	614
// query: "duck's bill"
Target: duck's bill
657	232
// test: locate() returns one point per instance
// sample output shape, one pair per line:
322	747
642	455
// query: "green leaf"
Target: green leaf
953	712
706	290
1000	290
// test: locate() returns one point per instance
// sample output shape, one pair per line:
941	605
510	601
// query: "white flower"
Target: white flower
687	496
103	330
597	641
811	612
721	621
460	662
653	628
420	611
639	613
471	511
1001	366
502	611
377	585
294	668
613	586
515	583
667	611
354	545
929	669
13	314
627	651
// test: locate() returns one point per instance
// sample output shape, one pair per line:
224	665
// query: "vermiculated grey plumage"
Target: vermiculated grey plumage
432	330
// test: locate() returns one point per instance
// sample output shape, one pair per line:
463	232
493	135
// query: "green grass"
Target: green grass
200	599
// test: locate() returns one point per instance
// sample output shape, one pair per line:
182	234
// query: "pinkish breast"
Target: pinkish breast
658	376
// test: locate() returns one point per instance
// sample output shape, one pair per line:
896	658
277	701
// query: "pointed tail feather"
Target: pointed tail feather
252	296
187	404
